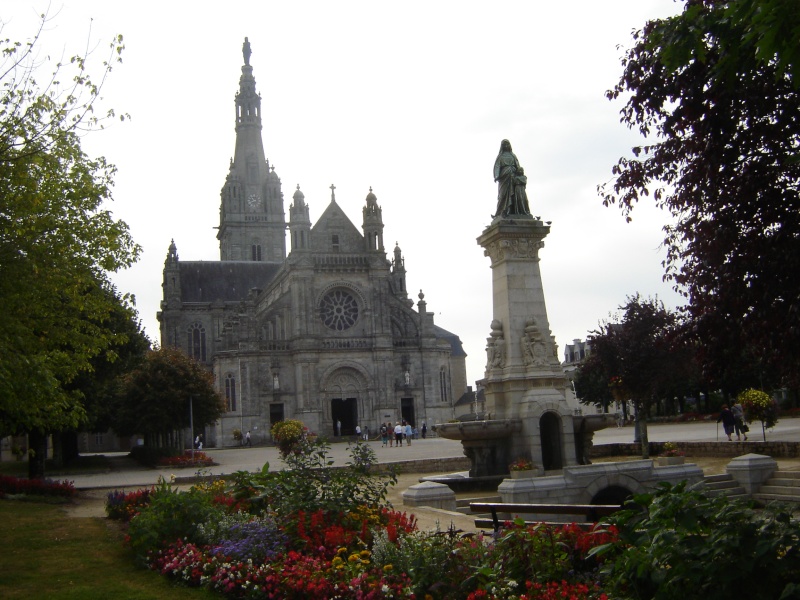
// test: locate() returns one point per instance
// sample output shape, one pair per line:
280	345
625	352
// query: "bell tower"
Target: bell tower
252	224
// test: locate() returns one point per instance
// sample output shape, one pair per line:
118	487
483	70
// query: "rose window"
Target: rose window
339	310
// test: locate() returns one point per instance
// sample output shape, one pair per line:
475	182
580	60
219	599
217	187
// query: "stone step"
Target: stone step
718	477
783	481
766	497
778	490
787	474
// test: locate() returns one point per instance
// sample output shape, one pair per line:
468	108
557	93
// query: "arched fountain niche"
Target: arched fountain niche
551	441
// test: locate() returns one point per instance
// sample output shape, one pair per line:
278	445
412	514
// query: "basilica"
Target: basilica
326	333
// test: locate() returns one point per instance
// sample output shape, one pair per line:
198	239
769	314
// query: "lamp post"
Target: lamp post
191	426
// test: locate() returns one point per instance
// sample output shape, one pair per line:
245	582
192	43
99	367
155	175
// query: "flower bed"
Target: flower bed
200	459
35	487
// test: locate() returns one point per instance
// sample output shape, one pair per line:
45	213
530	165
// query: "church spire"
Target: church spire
252	221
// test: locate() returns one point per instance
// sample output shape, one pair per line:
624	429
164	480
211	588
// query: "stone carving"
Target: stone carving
512	199
496	347
534	349
513	249
246	52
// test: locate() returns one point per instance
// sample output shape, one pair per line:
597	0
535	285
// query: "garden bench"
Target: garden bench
592	512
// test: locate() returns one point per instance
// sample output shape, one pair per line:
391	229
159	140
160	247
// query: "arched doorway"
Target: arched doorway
550	431
345	388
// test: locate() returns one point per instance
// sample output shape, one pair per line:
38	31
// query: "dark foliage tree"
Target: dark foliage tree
99	385
155	398
714	91
57	242
639	359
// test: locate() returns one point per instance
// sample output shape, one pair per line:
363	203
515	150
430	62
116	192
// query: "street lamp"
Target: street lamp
191	426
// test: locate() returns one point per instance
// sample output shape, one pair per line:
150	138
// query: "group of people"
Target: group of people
733	421
395	435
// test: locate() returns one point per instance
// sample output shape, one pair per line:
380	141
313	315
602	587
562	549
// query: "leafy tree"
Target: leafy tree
155	397
637	357
57	243
99	386
714	90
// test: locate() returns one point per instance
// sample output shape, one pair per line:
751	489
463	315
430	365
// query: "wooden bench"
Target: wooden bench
593	512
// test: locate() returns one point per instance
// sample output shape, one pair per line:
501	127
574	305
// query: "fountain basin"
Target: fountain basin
478	430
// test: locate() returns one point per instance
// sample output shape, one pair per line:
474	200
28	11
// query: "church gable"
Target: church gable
334	232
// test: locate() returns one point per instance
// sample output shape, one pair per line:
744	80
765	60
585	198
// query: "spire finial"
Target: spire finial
246	52
333	193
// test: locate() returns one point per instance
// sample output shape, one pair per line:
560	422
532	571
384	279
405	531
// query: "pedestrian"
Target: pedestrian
358	432
383	434
198	441
739	425
366	433
338	429
398	435
390	433
424	430
728	421
247	440
409	433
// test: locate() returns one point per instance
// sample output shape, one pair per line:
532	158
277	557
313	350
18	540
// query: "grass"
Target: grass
48	554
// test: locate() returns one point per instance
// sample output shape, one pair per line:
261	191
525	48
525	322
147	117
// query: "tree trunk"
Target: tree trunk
37	453
643	436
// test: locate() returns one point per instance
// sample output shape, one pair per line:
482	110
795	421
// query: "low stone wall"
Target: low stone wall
719	449
426	465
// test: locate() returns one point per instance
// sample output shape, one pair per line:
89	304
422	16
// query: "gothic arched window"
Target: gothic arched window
230	392
443	387
197	342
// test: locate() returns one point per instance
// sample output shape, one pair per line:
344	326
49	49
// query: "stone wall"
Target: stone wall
718	449
426	465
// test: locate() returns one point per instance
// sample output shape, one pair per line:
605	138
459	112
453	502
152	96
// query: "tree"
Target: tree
637	359
99	386
715	92
155	398
57	243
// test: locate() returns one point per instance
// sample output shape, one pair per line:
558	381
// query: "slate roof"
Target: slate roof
226	281
457	348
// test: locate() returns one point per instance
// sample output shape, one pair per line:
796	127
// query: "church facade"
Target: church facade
326	334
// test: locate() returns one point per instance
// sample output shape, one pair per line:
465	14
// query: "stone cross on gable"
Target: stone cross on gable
333	193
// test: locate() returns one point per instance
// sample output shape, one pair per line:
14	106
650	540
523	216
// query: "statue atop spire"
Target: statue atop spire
246	52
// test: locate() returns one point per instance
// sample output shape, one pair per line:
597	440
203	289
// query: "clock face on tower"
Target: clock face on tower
254	201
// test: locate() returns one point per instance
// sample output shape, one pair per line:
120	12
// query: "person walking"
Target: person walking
366	433
739	425
398	435
383	434
424	430
247	440
409	434
728	421
358	432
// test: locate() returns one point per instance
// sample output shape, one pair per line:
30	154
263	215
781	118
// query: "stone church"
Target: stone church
327	333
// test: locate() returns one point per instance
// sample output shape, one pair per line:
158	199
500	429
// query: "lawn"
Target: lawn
50	555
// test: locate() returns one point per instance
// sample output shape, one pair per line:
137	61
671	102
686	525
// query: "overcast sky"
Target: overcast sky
410	98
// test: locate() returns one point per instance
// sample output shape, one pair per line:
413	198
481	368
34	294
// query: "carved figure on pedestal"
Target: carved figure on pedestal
534	350
496	347
512	199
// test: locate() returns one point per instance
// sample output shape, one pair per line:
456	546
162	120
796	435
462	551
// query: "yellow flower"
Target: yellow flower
353	558
365	554
387	568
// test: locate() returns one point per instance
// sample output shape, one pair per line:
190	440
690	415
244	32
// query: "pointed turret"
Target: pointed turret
373	223
399	272
299	222
252	222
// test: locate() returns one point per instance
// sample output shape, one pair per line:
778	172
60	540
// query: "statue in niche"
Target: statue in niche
512	197
534	350
496	347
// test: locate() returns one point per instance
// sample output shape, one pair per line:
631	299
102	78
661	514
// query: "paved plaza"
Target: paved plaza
128	474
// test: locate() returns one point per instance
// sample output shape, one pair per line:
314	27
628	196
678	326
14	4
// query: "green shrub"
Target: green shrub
678	544
170	516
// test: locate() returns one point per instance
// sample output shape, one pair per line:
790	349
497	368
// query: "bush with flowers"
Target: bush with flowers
521	464
759	406
35	487
287	435
671	449
187	459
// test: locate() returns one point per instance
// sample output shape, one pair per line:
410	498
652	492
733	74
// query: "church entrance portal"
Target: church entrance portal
550	428
407	410
346	411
